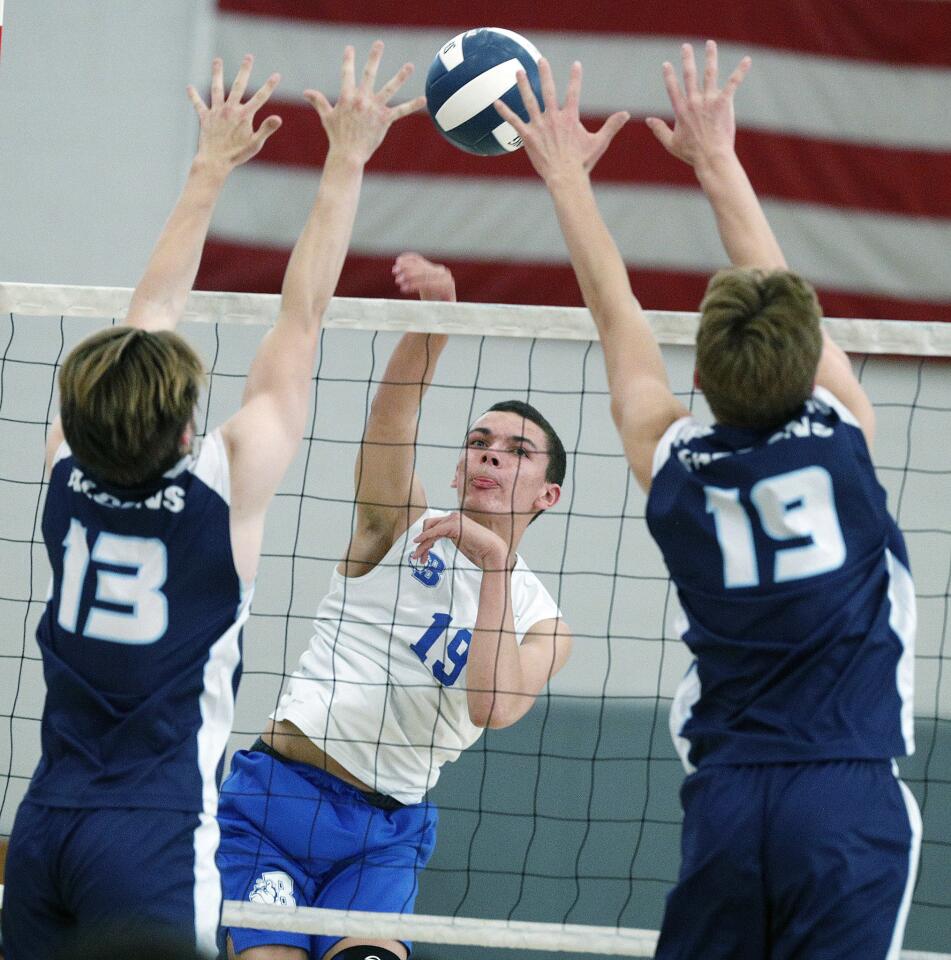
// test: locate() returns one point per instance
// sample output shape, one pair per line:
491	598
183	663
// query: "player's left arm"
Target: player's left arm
835	373
563	153
264	435
503	677
226	139
703	136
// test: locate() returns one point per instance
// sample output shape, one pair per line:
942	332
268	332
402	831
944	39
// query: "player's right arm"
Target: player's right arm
388	493
703	136
563	153
263	436
226	139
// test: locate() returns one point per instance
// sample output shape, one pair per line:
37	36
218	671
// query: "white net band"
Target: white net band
473	319
462	931
459	931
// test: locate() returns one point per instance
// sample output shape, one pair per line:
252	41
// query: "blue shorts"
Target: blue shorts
70	871
293	834
793	860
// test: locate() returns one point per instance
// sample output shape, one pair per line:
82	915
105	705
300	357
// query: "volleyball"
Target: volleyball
471	72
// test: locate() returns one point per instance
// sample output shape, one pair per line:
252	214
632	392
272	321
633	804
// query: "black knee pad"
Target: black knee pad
366	953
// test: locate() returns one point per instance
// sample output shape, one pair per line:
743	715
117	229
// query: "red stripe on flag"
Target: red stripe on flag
891	31
782	166
237	267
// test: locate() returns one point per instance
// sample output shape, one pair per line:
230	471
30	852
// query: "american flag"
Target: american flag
844	128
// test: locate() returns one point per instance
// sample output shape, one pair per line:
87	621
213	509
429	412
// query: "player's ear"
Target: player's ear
696	379
188	437
549	497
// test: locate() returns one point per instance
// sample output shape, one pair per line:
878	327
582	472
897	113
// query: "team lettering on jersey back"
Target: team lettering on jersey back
171	498
799	428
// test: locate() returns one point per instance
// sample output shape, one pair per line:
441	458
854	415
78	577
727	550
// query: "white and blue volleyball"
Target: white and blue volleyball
469	74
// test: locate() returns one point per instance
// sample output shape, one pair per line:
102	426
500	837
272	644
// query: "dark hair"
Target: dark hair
126	397
557	460
758	346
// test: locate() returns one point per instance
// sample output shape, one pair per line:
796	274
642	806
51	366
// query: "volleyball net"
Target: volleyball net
560	833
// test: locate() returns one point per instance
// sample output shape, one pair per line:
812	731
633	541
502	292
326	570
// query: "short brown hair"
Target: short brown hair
126	397
758	346
557	458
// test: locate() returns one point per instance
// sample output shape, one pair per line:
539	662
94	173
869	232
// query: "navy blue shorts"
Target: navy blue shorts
785	861
292	834
69	871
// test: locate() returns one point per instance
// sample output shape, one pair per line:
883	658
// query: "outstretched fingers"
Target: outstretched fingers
547	83
611	127
710	69
201	108
511	117
240	83
386	92
689	65
406	108
528	94
661	131
347	76
319	102
601	140
573	96
371	67
271	125
674	93
217	83
263	94
737	77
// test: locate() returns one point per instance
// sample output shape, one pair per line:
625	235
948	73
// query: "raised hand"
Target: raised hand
358	122
415	274
487	550
704	121
226	126
555	139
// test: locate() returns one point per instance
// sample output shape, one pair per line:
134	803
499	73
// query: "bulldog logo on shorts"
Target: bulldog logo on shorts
275	887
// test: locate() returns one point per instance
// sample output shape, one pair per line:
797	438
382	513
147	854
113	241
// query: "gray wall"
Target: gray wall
603	845
95	132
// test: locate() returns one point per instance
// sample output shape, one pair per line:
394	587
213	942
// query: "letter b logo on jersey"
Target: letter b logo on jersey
428	573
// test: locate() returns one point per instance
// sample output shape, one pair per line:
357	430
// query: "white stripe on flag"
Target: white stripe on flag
844	100
874	253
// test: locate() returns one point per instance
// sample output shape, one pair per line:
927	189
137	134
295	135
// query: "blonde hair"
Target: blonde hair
126	399
758	346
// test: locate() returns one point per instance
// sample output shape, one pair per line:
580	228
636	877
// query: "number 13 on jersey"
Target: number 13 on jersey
790	506
129	605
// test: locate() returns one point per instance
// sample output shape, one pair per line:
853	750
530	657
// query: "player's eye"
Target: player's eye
520	451
477	442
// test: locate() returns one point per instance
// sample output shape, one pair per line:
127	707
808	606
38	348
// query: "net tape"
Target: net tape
458	931
922	339
463	931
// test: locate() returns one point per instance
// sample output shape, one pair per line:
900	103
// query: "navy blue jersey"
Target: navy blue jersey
140	638
794	584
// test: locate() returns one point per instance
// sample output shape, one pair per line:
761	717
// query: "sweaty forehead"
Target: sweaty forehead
504	423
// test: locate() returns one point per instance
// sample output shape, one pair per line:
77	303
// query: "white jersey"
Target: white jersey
382	685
